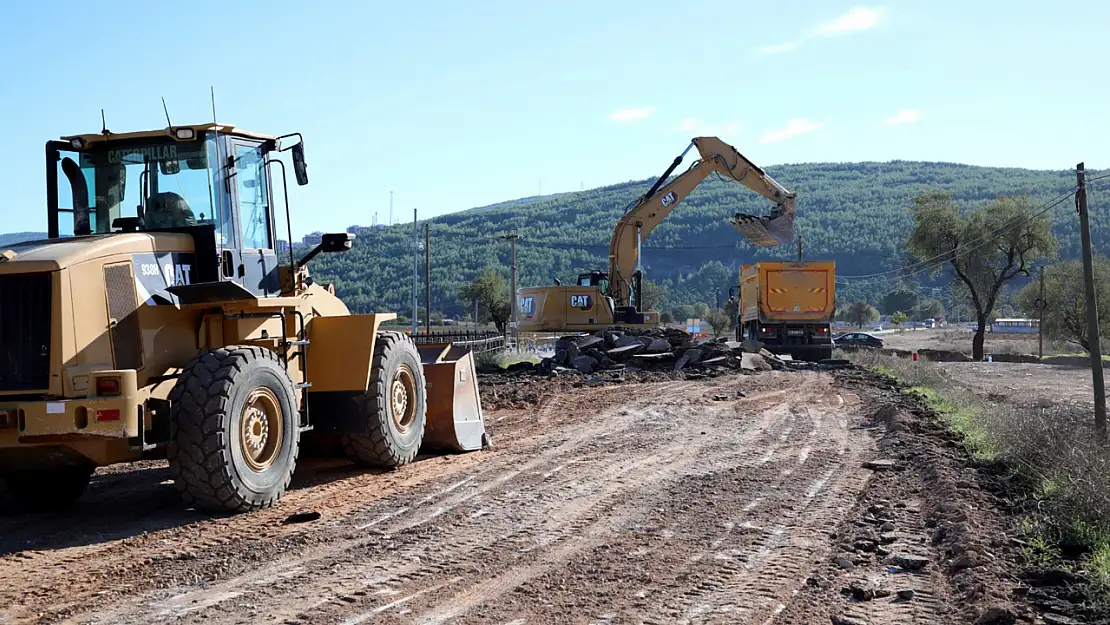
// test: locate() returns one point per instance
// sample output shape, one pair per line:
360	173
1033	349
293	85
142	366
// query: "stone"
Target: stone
585	364
864	545
887	538
861	591
881	465
589	341
842	619
754	362
966	561
906	594
910	563
886	527
658	346
625	341
845	563
1058	619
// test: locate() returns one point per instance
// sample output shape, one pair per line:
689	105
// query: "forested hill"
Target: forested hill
854	213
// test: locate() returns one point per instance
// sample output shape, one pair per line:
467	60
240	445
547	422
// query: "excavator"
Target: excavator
603	299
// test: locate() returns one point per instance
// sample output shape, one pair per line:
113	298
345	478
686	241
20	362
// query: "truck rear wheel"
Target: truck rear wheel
48	490
394	406
234	431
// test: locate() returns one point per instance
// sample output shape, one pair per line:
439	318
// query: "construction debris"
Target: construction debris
635	349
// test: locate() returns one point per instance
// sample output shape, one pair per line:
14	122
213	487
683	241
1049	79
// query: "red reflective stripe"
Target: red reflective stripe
107	415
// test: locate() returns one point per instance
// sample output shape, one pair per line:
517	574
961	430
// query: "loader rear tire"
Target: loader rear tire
48	490
395	406
234	431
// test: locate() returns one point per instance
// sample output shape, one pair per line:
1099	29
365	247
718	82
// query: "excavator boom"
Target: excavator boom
654	206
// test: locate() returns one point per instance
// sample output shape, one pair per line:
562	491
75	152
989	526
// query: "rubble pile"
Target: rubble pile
643	349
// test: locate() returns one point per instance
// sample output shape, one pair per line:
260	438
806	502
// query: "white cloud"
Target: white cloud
634	114
696	127
857	19
793	128
904	116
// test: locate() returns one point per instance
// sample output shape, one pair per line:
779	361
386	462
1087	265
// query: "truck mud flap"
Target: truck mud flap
764	231
454	418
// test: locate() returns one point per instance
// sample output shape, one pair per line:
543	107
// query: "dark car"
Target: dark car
858	339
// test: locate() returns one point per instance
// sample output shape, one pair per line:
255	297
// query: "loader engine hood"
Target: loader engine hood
62	253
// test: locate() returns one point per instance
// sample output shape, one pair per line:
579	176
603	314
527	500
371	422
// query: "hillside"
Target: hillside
17	237
854	213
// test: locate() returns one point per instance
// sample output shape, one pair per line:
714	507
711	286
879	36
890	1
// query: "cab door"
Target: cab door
251	190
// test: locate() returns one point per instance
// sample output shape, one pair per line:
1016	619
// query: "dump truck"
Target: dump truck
159	320
601	299
787	308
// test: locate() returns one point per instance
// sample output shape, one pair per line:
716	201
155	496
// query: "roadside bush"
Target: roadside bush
1051	447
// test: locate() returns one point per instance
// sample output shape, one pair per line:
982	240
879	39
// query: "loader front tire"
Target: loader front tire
234	431
48	490
395	406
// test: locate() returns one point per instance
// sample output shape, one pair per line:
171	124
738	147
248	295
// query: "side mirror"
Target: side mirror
336	242
169	168
330	243
299	166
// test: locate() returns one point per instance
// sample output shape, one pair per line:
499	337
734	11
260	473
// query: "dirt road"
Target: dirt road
681	503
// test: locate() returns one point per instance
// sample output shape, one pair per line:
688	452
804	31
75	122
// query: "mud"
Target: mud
714	500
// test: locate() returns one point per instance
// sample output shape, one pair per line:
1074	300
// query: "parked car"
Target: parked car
858	339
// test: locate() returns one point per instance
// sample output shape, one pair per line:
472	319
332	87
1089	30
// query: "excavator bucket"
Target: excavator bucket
775	229
454	415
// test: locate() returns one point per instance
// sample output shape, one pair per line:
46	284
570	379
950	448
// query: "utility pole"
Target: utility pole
799	248
1040	319
391	208
415	260
511	238
1092	305
428	277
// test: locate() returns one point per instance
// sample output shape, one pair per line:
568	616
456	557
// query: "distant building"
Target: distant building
314	239
282	246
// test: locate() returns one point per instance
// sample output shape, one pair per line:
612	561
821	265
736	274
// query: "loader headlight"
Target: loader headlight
78	143
184	134
108	386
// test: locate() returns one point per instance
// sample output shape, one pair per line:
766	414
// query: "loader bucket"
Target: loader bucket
776	229
454	416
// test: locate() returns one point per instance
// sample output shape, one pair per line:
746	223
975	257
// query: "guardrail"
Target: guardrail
479	342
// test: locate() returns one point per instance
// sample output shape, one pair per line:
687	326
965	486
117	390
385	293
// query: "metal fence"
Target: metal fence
479	342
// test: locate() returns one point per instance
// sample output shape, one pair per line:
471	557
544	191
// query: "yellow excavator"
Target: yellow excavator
602	299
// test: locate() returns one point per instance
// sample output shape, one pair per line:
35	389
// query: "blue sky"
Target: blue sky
456	105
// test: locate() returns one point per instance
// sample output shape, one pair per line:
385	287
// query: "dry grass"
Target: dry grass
1054	449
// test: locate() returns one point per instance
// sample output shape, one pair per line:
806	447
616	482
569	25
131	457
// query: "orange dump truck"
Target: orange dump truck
788	308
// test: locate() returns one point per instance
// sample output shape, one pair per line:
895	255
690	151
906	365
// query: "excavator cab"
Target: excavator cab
599	279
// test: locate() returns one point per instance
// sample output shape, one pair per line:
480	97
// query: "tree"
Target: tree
902	300
701	310
898	318
492	294
665	317
718	320
1065	313
653	295
928	309
682	313
861	312
984	249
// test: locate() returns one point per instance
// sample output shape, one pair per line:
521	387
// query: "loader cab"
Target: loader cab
210	181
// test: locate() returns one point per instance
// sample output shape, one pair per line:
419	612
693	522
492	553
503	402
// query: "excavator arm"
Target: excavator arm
653	207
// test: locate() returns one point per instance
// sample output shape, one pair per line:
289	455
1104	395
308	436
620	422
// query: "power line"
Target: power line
960	251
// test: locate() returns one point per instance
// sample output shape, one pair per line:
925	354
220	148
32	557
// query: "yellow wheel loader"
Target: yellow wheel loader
603	299
160	319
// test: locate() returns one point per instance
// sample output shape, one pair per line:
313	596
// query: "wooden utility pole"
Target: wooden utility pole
799	248
1040	319
427	278
1092	305
511	238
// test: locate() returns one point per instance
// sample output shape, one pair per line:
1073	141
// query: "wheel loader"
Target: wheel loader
160	318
